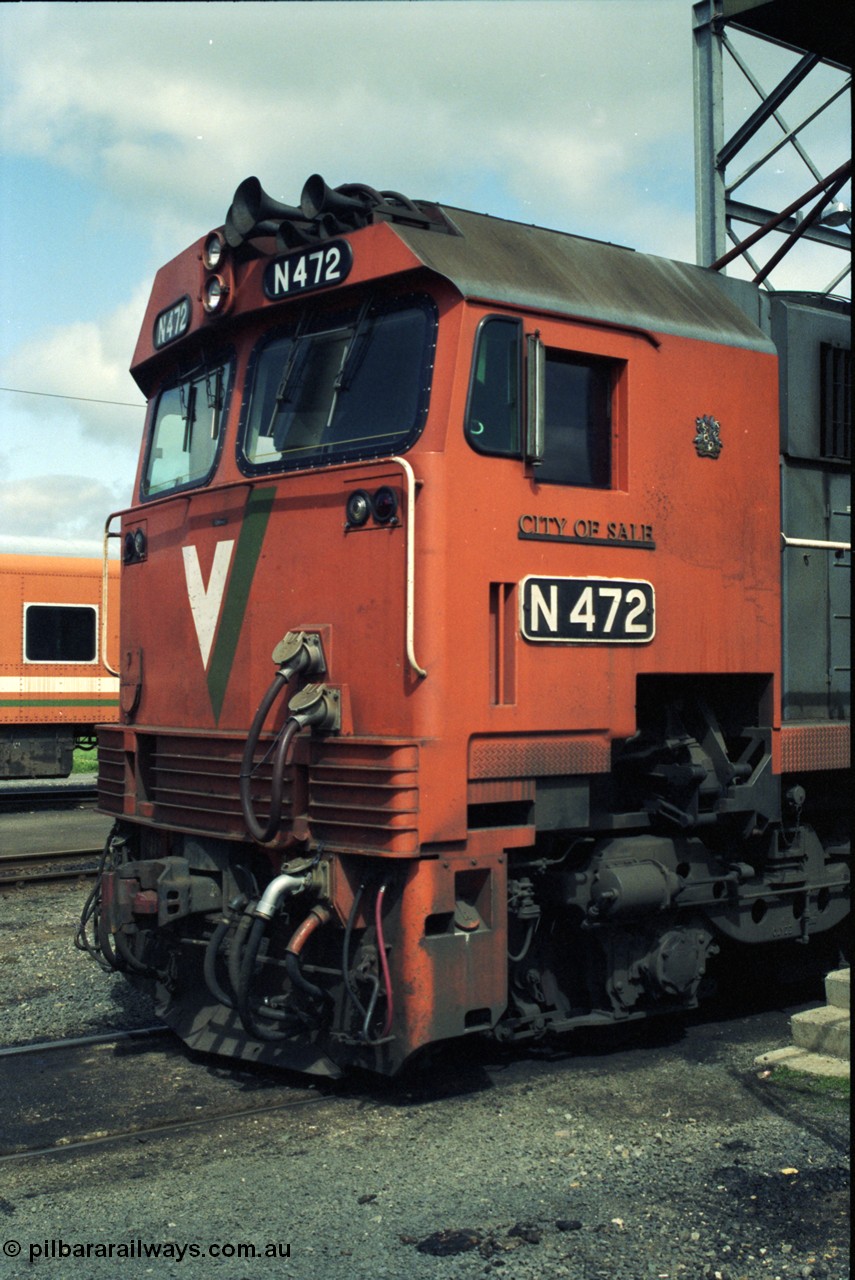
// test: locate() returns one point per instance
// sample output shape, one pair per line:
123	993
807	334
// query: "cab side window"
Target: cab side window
494	414
577	427
558	416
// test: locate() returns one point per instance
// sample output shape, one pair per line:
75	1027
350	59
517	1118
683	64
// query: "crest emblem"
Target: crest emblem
708	440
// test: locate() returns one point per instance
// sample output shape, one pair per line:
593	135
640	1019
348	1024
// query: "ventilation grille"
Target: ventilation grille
362	795
835	402
189	783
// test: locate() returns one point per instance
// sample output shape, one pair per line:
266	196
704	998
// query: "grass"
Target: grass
831	1094
84	762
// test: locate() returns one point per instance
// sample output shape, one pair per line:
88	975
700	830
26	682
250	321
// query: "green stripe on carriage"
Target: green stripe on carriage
253	529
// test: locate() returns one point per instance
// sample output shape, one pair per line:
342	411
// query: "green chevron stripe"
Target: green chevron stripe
254	526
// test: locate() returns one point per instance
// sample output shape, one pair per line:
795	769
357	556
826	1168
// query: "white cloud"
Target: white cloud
410	96
81	364
67	459
62	514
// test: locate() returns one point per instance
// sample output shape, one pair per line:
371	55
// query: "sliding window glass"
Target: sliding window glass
578	421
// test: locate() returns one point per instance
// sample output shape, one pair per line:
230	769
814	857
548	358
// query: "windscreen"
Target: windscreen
340	387
185	433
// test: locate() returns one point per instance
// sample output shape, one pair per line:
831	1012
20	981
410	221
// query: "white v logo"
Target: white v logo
205	601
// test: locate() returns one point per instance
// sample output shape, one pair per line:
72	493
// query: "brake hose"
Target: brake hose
248	1015
212	952
253	826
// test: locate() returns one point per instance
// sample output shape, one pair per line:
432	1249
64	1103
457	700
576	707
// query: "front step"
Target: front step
821	1037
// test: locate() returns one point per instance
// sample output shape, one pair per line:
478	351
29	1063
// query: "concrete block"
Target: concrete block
813	1064
824	1030
837	988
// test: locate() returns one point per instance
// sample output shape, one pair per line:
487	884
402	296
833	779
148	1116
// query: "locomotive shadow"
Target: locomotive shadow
477	1065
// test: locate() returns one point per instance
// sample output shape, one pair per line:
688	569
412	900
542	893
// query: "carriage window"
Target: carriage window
60	633
342	386
577	428
493	415
185	436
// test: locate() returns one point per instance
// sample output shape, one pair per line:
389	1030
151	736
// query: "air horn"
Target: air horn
254	213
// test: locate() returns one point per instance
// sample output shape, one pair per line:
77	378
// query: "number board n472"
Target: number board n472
587	610
318	267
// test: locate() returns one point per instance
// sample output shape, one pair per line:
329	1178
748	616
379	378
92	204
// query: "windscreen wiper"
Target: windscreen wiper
188	405
283	391
357	348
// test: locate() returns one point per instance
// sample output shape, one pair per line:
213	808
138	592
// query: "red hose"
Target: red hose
316	917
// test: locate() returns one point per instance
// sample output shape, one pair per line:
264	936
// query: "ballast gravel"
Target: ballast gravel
48	989
674	1158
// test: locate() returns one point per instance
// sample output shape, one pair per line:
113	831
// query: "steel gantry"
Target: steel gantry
814	45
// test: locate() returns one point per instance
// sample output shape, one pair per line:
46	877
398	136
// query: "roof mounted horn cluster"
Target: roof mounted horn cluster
323	212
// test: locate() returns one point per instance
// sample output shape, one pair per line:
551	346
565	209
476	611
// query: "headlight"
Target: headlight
214	294
358	508
214	251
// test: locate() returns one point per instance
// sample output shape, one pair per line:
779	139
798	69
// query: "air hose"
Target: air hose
253	826
249	1015
209	969
315	705
244	956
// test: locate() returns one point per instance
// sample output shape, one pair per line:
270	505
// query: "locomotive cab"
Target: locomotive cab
454	639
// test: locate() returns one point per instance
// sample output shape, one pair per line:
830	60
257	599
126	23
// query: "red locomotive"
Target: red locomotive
58	633
553	712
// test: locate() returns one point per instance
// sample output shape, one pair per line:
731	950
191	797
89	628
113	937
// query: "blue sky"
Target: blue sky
125	128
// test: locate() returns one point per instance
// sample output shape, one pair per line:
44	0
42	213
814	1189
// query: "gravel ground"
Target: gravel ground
675	1159
48	989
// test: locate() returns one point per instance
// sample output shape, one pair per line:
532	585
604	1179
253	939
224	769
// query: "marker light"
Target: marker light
214	294
385	504
358	508
134	546
214	251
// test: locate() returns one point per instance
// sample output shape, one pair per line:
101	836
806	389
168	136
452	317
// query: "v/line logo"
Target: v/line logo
205	602
219	606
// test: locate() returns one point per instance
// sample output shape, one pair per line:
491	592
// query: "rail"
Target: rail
48	867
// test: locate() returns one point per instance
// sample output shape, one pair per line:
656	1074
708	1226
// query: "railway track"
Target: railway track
99	1125
29	868
49	832
15	796
36	1047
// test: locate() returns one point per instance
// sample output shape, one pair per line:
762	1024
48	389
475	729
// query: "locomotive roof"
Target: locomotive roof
510	263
